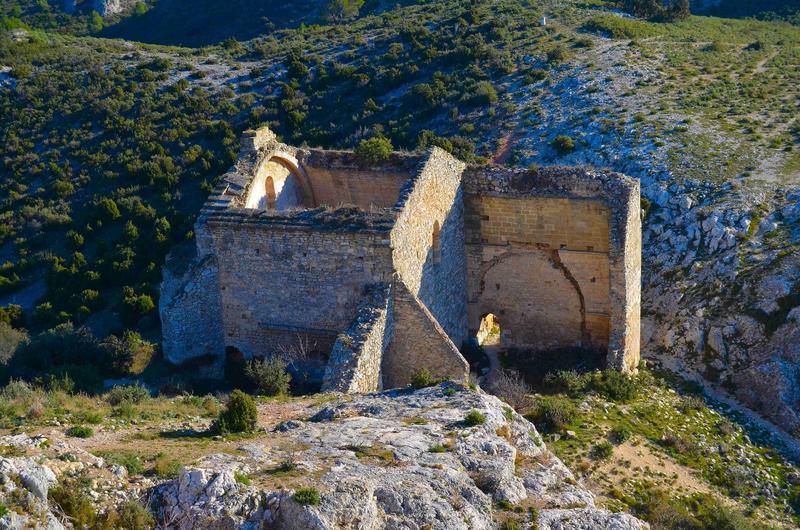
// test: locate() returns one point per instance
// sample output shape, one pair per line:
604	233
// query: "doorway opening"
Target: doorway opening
489	332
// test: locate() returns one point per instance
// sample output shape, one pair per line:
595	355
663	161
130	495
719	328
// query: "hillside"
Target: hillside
108	148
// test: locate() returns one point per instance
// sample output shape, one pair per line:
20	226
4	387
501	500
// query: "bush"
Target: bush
602	451
131	462
374	150
166	468
557	54
128	394
473	418
80	431
615	385
552	414
75	504
241	414
483	94
307	496
135	306
569	382
563	144
268	376
620	434
129	354
422	378
131	515
10	340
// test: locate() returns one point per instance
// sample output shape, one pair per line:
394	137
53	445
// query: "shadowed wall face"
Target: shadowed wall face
541	265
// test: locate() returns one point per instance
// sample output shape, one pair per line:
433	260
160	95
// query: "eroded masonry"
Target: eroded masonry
375	271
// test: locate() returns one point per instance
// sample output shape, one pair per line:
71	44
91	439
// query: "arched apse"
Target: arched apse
535	298
281	176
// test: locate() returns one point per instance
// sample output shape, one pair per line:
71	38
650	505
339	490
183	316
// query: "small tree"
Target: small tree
241	414
563	144
269	376
339	10
374	150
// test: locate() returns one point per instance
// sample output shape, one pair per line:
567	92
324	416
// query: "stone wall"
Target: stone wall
540	264
419	342
190	307
284	282
336	177
432	201
356	358
555	255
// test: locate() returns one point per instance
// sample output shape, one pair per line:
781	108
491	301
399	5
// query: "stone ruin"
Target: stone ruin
373	271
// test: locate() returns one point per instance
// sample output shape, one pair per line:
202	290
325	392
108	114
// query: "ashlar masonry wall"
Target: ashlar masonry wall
554	255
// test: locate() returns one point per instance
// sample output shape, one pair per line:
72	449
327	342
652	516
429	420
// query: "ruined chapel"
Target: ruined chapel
382	269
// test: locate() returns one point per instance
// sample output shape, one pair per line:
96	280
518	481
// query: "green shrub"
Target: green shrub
75	504
422	378
89	416
130	515
620	434
563	144
129	354
437	448
552	414
557	54
80	431
10	340
133	394
307	496
473	418
131	462
165	467
602	451
569	382
374	150
268	376
241	478
483	93
615	385
241	414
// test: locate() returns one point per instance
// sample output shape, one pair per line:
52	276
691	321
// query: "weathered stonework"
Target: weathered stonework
355	362
384	269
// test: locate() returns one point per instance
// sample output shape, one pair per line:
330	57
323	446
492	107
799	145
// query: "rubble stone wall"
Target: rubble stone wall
281	284
356	358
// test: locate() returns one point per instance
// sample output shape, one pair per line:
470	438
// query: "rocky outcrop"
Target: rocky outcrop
110	8
398	459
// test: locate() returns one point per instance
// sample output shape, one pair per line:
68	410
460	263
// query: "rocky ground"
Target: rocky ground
400	459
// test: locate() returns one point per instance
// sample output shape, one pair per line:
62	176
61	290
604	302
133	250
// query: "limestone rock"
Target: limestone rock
371	464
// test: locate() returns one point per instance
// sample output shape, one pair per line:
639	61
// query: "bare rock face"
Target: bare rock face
110	8
398	459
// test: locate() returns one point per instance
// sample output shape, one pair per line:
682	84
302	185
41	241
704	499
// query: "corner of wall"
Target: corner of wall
419	342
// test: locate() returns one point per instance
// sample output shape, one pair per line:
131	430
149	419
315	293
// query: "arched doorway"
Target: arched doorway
537	301
489	332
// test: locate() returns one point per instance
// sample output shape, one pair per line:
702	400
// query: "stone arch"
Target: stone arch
290	183
536	299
